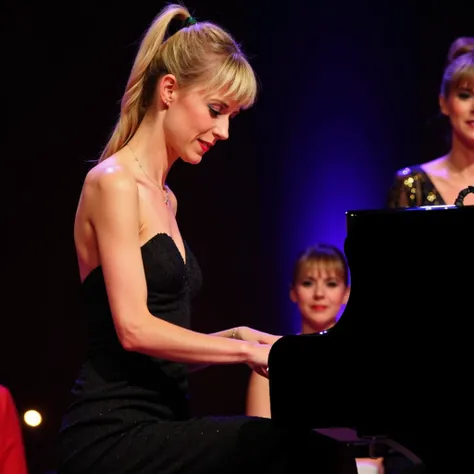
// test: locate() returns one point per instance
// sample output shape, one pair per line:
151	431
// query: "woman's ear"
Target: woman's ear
347	294
167	89
293	296
443	104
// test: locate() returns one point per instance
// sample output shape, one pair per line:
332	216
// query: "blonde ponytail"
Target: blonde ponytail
132	110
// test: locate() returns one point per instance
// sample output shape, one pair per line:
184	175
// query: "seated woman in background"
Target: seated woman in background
439	182
320	288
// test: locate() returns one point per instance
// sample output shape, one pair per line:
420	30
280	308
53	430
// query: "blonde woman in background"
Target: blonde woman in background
439	182
320	289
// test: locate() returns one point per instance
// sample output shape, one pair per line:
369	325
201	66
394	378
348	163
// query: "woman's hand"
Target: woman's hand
258	358
252	335
262	343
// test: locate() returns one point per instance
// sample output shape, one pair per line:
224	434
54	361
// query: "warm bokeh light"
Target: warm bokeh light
32	418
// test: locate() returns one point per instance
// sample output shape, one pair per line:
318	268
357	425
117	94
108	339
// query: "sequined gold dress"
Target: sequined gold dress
412	187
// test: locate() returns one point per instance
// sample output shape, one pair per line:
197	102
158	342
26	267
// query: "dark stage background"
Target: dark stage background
349	95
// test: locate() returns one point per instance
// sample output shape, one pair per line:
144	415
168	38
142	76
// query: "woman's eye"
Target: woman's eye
214	112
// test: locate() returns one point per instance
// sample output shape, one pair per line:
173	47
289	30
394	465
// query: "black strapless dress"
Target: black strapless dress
129	413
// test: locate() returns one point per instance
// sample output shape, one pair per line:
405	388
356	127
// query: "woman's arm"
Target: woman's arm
258	396
113	198
244	333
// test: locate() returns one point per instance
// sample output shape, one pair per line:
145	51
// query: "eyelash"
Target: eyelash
464	95
215	113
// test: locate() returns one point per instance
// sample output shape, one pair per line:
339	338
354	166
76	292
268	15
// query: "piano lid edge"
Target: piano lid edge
401	210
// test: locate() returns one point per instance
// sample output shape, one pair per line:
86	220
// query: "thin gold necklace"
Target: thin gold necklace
164	189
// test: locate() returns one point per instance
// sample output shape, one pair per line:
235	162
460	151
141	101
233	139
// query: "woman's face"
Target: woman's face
459	107
195	121
319	295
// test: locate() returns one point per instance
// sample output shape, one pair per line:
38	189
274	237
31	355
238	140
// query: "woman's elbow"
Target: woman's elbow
130	335
129	340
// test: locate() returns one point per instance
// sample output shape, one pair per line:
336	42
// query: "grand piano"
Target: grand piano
396	370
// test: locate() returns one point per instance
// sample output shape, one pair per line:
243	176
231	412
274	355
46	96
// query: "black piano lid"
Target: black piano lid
400	209
403	210
398	364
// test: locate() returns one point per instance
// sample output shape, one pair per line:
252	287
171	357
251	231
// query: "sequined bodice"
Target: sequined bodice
412	187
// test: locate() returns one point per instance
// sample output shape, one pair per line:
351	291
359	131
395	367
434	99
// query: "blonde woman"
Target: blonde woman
130	408
319	288
438	182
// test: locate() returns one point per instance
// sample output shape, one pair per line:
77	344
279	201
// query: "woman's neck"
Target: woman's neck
148	147
307	329
460	159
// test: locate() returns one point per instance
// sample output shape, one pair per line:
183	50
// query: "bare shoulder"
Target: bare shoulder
108	204
435	167
110	176
109	185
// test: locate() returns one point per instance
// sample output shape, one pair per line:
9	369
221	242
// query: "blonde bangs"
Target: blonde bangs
464	77
460	74
323	265
236	80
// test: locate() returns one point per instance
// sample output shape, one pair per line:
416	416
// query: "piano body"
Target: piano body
397	366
